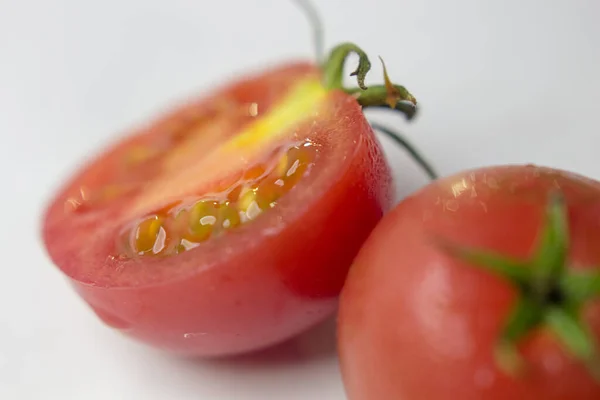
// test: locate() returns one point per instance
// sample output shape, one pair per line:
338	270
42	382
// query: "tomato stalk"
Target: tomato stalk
390	95
387	95
550	295
315	22
404	143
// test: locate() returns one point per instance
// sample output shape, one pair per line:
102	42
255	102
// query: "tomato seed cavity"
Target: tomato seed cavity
184	226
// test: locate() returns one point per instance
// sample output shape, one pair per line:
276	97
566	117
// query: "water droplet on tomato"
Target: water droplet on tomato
192	335
72	204
459	187
492	183
452	205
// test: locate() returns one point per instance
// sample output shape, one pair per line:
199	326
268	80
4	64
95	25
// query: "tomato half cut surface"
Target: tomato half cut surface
229	224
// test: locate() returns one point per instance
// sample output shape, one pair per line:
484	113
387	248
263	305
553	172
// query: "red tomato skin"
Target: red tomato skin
417	324
261	284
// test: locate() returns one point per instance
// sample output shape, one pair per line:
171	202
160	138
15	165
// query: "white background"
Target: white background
500	81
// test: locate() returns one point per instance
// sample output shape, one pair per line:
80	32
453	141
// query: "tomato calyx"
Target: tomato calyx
388	95
550	295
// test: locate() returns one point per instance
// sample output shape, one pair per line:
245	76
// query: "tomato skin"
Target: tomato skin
417	324
259	285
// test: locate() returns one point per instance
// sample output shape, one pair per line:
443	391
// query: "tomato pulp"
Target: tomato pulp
229	224
416	323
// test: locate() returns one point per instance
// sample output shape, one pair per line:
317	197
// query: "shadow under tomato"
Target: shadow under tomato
282	371
284	368
316	343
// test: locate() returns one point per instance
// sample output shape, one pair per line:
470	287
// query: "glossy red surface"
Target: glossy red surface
418	324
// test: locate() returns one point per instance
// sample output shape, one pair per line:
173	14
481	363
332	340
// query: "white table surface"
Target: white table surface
500	81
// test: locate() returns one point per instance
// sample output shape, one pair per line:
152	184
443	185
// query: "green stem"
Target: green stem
404	143
317	26
388	95
376	97
333	69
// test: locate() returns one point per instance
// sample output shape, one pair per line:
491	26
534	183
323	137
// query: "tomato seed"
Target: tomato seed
146	234
202	218
229	216
244	199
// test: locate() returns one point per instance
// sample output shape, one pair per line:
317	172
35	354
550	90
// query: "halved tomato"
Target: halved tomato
229	224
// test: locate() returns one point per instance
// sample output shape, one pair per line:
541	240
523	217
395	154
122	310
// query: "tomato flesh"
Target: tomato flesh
416	323
228	225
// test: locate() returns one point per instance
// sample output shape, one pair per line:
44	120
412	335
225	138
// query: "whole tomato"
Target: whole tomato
482	285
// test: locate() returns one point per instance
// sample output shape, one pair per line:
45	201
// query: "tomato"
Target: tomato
417	321
229	224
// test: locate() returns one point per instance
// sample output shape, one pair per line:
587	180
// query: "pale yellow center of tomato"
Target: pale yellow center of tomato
205	158
303	101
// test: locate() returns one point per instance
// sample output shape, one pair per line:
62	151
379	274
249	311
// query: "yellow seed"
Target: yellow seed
248	205
282	165
229	217
252	211
147	233
246	198
299	160
268	192
203	217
